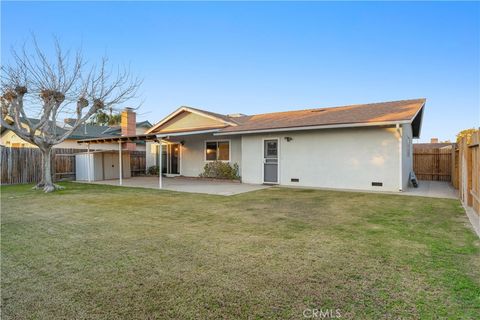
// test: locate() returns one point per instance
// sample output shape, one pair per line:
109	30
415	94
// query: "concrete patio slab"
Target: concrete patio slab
434	189
183	184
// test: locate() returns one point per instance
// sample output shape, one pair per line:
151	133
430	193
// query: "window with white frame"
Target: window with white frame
217	150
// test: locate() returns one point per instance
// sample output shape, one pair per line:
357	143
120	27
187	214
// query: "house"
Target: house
129	126
433	144
363	147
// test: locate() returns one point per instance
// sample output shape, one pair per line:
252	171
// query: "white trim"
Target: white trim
349	125
182	109
278	159
217	140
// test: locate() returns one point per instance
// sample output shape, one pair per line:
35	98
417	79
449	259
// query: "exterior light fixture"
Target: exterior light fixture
288	139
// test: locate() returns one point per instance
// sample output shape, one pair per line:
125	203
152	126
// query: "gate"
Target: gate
433	164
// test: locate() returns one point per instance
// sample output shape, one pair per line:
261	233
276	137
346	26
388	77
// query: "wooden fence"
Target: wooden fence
433	164
23	165
466	171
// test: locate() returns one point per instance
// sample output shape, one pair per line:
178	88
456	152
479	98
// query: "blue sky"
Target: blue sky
266	57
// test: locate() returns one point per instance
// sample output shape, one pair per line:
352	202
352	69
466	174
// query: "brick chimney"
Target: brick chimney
433	140
129	127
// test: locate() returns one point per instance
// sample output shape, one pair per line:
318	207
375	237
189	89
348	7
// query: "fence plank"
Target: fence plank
24	165
467	171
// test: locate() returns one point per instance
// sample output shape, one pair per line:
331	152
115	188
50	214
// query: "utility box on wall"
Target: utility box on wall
101	165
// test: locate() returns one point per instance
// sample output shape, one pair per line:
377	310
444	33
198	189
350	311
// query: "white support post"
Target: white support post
88	162
120	161
160	165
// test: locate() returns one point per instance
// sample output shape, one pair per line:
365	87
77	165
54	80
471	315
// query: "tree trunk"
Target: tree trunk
47	182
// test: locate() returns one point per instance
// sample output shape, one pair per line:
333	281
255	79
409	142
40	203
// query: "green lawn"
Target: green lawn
101	252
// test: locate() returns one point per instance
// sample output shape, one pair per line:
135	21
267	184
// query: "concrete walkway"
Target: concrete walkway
183	184
434	189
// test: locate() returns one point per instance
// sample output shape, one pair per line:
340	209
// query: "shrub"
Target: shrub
220	170
466	133
153	170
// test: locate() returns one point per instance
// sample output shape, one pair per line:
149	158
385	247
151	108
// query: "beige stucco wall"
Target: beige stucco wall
192	158
339	158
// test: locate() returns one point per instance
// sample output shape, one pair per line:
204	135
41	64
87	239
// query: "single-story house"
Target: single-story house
363	147
433	144
128	126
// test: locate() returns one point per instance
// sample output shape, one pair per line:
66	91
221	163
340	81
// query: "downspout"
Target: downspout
400	158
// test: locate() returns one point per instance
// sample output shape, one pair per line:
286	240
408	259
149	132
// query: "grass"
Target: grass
99	252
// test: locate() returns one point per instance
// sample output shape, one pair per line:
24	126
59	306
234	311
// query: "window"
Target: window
271	148
217	150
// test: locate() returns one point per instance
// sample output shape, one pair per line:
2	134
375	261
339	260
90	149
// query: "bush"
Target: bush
220	170
153	170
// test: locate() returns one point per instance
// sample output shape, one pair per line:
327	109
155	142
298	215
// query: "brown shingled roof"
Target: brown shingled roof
394	111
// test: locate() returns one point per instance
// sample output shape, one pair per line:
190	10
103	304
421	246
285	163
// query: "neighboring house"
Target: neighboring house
9	139
364	147
433	144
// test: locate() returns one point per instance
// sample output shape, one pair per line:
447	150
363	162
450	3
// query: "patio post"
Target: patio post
120	160
88	162
160	164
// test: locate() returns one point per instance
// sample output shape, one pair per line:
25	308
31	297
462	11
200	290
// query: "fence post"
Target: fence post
469	175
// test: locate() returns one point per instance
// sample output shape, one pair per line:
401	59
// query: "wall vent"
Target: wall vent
377	184
294	180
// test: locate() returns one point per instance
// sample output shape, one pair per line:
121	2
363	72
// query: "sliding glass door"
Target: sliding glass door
170	158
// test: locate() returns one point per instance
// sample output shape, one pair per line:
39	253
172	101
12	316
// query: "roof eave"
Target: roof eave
315	127
421	120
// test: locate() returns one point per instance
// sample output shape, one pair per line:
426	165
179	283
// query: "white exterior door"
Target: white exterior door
270	161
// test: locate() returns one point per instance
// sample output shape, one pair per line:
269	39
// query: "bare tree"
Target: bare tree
52	89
